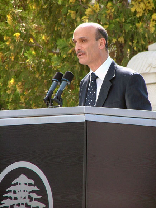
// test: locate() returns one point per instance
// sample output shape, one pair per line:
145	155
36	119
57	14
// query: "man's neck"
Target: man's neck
98	64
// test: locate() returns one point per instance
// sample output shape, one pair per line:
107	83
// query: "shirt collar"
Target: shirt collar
102	70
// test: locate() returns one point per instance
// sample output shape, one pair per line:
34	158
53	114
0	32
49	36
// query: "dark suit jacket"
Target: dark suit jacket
121	88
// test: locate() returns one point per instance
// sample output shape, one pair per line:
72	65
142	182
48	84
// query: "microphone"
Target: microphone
56	80
67	78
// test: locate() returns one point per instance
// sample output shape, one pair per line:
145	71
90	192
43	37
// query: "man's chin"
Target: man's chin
82	62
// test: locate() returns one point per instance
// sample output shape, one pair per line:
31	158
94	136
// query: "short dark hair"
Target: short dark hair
101	33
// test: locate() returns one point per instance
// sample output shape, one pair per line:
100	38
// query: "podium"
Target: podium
78	157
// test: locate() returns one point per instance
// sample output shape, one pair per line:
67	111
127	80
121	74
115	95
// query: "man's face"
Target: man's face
86	47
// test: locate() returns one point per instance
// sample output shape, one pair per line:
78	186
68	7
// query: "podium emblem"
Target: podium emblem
22	191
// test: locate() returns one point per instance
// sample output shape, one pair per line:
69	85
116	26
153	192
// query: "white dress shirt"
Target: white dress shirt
101	73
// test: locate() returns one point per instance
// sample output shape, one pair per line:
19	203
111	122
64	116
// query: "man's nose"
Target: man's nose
77	46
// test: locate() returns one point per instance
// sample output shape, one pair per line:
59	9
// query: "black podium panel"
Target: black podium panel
121	166
78	157
55	151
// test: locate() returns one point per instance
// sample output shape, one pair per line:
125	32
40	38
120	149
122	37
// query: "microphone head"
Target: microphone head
57	77
68	76
56	80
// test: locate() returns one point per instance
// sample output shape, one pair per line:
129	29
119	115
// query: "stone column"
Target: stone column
145	64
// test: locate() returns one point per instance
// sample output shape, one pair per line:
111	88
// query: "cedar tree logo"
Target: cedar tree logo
23	192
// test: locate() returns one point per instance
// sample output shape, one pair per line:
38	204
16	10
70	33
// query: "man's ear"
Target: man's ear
102	43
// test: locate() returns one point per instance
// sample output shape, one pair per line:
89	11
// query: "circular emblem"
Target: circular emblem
22	192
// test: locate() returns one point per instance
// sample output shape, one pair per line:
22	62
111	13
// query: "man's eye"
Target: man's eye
83	41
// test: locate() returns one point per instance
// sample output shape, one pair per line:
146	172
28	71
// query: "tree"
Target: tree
35	43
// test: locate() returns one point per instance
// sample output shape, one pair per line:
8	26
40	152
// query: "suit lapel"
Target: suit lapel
83	90
106	85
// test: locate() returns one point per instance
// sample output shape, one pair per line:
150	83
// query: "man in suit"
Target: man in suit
116	86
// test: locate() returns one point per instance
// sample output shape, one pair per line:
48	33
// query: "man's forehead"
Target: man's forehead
84	28
83	32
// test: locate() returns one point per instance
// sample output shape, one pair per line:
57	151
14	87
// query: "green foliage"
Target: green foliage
35	43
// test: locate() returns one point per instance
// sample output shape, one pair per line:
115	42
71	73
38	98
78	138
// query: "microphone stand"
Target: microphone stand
67	78
51	103
59	101
55	81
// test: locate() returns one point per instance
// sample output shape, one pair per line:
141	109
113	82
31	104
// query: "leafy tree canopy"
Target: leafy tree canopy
36	42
